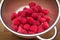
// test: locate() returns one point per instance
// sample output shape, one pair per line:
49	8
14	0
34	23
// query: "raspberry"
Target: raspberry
16	21
30	32
40	29
41	14
19	17
30	20
28	11
35	15
32	4
47	18
36	23
23	20
43	20
19	13
33	28
39	8
45	11
45	25
35	10
21	25
25	8
13	16
15	28
23	14
21	30
26	26
39	18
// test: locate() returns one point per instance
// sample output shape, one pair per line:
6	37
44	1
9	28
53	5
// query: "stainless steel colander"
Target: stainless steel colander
9	6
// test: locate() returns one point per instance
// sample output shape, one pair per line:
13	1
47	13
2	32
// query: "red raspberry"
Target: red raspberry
47	18
20	17
37	23
30	32
23	14
35	15
39	8
23	20
42	14
15	28
13	16
33	28
35	10
40	29
32	4
21	25
25	8
21	30
43	20
26	26
16	21
28	11
40	19
45	11
45	25
19	13
30	20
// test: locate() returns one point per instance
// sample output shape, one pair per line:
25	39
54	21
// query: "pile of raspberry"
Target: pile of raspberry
30	20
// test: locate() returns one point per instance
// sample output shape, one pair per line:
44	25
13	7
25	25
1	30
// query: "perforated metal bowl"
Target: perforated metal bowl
9	6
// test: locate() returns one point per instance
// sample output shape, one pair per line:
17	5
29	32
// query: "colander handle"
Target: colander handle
40	38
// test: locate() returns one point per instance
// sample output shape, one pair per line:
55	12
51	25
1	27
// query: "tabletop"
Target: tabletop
7	35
